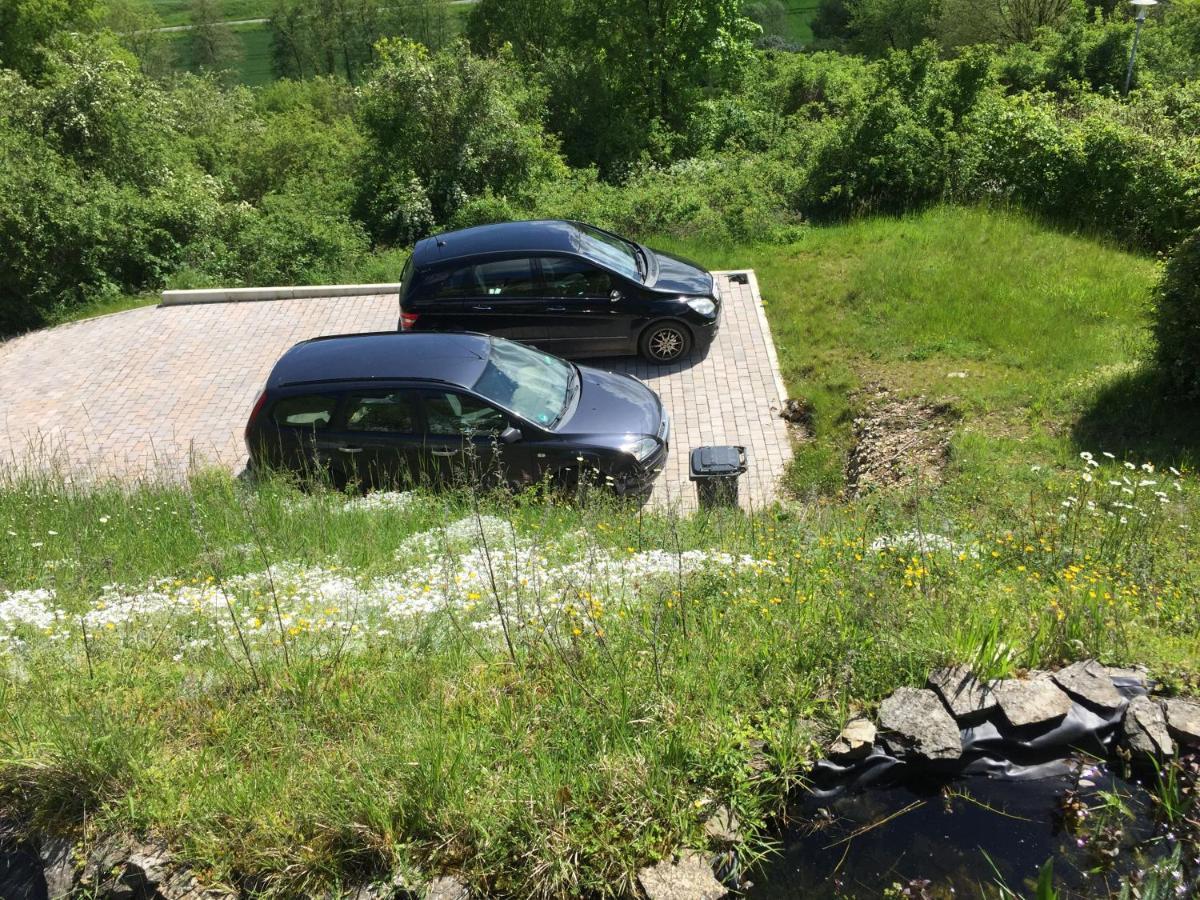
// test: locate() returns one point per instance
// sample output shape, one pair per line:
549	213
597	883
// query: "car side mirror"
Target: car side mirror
614	296
510	435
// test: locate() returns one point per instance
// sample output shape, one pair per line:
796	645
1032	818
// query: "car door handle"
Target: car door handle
556	309
482	308
349	449
444	452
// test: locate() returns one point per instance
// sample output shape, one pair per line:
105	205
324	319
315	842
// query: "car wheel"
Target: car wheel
665	342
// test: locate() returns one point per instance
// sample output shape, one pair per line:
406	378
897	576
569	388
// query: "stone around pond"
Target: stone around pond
1136	674
1183	720
919	723
446	888
1089	682
963	693
855	741
690	878
1145	729
1035	701
723	826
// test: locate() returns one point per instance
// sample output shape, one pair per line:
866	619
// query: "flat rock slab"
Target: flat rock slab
1134	675
922	724
1183	720
855	741
723	826
446	888
1145	729
1035	701
962	692
691	878
1089	682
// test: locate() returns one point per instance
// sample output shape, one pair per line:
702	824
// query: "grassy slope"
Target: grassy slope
427	748
1043	324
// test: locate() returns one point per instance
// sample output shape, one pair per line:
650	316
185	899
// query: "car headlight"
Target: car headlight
641	448
702	305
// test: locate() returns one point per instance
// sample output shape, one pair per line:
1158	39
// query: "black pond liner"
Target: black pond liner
961	829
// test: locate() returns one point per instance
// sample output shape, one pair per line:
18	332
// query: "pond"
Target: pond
975	835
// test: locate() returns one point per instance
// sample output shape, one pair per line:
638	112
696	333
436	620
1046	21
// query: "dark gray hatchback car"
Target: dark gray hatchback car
566	287
394	409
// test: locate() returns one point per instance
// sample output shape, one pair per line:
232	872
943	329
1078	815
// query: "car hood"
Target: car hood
613	404
681	276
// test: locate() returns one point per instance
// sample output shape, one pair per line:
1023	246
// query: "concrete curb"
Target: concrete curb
296	292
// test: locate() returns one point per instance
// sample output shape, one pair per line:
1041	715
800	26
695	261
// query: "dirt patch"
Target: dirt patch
798	413
898	442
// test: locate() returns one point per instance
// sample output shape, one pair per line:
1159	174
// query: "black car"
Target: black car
566	287
391	408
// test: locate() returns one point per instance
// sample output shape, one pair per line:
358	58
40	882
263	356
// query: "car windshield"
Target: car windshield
536	386
610	250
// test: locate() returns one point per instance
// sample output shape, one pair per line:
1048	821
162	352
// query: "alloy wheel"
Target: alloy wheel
666	344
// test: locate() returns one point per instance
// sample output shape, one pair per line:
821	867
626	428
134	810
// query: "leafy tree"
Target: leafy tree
533	30
1177	317
214	47
624	76
328	37
831	22
444	127
138	29
27	26
878	26
769	15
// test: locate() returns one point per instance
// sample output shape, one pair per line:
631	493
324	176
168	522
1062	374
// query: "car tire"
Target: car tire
665	342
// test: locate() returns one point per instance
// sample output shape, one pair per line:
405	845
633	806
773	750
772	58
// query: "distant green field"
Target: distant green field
254	65
178	12
799	21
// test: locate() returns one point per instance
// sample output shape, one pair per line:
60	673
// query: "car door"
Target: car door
442	299
378	441
463	442
500	298
301	422
581	315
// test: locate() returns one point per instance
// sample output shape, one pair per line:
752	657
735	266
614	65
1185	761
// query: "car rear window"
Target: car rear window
309	411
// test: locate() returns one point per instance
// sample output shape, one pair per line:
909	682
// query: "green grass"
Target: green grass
117	304
1044	325
799	21
333	736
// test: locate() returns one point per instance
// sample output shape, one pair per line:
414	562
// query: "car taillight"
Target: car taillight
258	405
408	320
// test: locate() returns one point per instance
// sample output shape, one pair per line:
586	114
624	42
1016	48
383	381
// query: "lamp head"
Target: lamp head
1141	7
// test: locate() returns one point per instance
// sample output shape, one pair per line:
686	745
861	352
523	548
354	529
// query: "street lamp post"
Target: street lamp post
1142	7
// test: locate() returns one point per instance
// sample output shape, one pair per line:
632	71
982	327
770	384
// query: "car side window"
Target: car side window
313	411
500	278
454	283
449	413
383	411
506	278
567	277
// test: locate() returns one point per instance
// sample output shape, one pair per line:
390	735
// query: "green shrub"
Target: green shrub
443	128
1177	317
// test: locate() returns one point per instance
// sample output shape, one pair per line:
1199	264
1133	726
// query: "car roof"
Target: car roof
384	356
503	237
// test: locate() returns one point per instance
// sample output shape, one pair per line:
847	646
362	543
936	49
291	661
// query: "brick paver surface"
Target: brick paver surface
153	391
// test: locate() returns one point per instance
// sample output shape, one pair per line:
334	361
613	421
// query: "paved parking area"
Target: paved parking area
151	392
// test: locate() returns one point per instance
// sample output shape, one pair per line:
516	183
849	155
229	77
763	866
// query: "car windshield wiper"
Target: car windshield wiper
572	387
643	264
